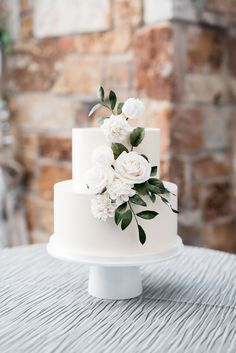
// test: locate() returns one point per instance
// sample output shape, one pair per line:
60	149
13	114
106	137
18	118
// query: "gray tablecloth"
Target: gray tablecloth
188	305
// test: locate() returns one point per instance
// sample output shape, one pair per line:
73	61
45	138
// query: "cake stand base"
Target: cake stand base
115	277
114	282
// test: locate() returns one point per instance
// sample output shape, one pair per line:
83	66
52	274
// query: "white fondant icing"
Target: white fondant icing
76	228
86	140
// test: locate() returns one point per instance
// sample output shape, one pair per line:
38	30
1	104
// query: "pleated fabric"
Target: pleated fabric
188	306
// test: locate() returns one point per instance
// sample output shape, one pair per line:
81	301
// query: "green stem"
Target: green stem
135	217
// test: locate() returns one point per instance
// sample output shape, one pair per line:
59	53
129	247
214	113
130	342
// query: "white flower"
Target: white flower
132	168
103	155
116	128
98	178
120	191
133	107
102	207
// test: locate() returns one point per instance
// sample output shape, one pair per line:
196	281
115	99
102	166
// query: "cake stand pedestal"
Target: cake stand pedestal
114	282
115	277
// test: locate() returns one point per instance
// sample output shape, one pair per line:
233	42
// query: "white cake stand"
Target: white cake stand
115	277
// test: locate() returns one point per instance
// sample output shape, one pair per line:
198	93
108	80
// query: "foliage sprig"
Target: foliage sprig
152	188
109	103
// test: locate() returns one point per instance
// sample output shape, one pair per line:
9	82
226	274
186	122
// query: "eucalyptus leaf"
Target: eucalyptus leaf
94	108
119	107
147	214
137	136
137	200
117	149
126	219
142	235
100	93
112	99
154	171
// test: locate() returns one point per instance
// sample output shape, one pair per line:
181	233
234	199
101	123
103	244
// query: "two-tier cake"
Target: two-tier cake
115	205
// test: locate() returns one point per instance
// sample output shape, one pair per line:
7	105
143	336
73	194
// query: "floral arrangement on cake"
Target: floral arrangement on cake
121	177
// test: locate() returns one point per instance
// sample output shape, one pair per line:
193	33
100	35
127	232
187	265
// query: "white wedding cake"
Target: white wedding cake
115	205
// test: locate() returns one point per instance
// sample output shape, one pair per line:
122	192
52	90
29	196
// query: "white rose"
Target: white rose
98	178
133	107
116	128
103	155
120	191
102	207
132	168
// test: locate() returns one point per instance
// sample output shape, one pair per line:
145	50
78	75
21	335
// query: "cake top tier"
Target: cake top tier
86	140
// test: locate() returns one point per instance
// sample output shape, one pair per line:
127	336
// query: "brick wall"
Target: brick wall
178	56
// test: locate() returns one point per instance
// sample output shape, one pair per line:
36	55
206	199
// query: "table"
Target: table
188	305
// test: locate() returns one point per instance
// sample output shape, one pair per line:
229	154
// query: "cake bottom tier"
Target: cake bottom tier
78	231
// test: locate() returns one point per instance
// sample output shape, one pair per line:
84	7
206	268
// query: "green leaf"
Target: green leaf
101	121
117	149
100	93
122	207
143	155
119	107
126	219
151	188
141	188
156	182
168	204
152	196
154	171
168	192
118	217
94	108
163	199
119	212
142	235
137	136
156	186
137	200
147	214
112	99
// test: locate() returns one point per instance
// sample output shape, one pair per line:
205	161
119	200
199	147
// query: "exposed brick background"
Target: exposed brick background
179	57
